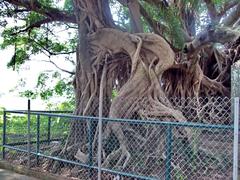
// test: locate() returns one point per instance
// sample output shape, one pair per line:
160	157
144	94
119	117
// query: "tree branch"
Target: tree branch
212	11
64	70
107	15
134	8
237	23
232	17
228	5
157	3
20	10
159	28
50	53
52	13
34	25
211	35
155	25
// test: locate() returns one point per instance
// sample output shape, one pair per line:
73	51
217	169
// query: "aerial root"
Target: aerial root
121	155
124	158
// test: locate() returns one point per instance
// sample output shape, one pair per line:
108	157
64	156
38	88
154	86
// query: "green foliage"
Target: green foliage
60	87
50	85
32	41
114	93
18	58
153	12
66	106
193	4
42	78
68	5
33	18
20	43
169	19
219	4
1	114
46	94
17	126
35	42
120	14
50	39
46	39
47	3
28	94
10	39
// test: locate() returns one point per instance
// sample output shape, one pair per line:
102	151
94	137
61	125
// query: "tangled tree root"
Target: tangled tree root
139	81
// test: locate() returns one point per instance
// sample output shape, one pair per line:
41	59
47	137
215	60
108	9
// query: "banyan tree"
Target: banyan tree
157	50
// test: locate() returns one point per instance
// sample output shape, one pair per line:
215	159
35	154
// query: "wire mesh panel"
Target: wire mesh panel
198	146
206	155
16	136
135	148
162	151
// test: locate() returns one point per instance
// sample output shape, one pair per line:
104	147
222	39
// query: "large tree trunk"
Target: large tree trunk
134	66
141	67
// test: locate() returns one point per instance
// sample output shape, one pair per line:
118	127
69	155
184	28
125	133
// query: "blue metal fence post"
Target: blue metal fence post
38	136
235	138
169	139
29	133
49	130
4	134
90	148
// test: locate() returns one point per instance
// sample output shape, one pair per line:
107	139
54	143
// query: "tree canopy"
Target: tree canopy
34	30
184	24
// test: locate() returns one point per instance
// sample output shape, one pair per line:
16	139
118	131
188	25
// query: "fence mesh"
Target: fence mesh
199	148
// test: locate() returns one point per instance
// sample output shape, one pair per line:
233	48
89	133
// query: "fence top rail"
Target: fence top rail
131	121
40	111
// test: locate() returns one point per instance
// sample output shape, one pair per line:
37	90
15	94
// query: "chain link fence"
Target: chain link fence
68	145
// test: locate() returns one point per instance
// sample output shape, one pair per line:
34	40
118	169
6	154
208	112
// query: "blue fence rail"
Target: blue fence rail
170	128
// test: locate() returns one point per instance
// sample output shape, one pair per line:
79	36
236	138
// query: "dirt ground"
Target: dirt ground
9	175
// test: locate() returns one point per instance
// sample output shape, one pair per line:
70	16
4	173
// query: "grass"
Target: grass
16	127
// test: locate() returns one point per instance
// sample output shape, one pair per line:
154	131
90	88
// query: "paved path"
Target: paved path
9	175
